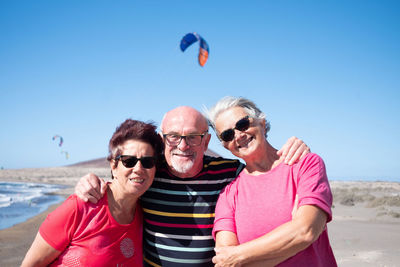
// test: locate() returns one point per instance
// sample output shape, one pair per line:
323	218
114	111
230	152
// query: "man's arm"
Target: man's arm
293	150
281	243
90	188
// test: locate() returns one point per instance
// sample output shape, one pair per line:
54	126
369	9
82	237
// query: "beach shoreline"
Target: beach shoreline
16	240
365	230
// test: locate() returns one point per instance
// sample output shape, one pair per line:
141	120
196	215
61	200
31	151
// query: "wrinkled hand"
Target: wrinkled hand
227	256
90	188
293	150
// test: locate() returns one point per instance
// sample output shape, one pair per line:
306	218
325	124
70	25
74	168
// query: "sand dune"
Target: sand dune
365	230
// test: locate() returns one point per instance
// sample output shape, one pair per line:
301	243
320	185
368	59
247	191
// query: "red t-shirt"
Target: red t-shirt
88	235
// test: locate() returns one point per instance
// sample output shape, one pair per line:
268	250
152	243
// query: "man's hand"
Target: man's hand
90	188
293	150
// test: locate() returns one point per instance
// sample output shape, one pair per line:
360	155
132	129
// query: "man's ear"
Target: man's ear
207	138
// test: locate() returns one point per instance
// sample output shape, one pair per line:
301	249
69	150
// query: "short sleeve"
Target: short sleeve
59	226
313	185
224	211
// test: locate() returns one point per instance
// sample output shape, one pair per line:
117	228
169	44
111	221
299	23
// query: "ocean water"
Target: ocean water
21	201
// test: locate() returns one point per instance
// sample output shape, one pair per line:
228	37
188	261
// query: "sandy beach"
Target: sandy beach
365	230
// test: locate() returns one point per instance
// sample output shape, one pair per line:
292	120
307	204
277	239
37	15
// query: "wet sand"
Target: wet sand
365	230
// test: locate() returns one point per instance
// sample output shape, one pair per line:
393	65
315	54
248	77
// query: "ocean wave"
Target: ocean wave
5	200
20	201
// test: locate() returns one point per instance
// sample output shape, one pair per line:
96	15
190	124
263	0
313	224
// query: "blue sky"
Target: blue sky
325	71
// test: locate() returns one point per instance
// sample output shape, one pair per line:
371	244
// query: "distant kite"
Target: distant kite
66	154
61	139
191	38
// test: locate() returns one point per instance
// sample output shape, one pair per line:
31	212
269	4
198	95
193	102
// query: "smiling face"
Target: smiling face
183	159
135	180
247	144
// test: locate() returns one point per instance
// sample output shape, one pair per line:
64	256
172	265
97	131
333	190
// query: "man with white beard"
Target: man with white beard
179	207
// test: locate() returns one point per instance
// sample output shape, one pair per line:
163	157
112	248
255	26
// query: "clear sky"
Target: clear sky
325	71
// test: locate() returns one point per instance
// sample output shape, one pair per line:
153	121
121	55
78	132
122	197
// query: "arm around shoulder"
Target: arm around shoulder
293	150
90	188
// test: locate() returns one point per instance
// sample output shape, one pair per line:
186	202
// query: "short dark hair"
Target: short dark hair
135	130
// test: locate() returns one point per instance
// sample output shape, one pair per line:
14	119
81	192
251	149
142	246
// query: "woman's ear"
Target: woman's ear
113	166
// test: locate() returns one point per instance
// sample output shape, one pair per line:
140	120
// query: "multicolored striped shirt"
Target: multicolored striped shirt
179	214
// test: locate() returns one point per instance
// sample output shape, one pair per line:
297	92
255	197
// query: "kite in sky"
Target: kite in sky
191	38
66	154
61	139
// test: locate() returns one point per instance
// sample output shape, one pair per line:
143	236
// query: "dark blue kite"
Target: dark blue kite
191	38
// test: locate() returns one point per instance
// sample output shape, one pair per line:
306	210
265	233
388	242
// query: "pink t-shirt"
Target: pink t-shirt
88	235
252	206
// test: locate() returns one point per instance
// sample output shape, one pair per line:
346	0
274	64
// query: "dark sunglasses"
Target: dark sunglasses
241	125
130	161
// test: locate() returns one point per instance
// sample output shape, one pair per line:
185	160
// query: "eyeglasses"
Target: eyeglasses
191	139
241	125
130	161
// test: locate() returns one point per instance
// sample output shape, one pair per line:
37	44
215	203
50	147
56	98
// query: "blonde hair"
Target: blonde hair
229	102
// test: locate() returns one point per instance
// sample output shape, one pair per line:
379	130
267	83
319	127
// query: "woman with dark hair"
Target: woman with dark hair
108	233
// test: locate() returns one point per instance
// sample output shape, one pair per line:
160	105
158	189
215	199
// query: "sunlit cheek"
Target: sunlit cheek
123	174
117	172
168	153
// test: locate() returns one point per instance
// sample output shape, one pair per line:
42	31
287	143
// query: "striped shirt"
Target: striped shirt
179	214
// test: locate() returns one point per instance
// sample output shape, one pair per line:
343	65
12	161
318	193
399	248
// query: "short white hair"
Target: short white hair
229	102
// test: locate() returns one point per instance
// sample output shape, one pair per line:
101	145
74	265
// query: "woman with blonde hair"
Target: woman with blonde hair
253	217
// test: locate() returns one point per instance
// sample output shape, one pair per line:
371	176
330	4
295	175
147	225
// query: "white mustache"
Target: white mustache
180	153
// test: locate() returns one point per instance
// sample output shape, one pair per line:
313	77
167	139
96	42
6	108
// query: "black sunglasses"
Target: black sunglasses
241	125
130	161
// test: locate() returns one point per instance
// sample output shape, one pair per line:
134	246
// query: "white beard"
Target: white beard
182	167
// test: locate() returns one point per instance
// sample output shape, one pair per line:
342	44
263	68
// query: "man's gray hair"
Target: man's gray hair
229	102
